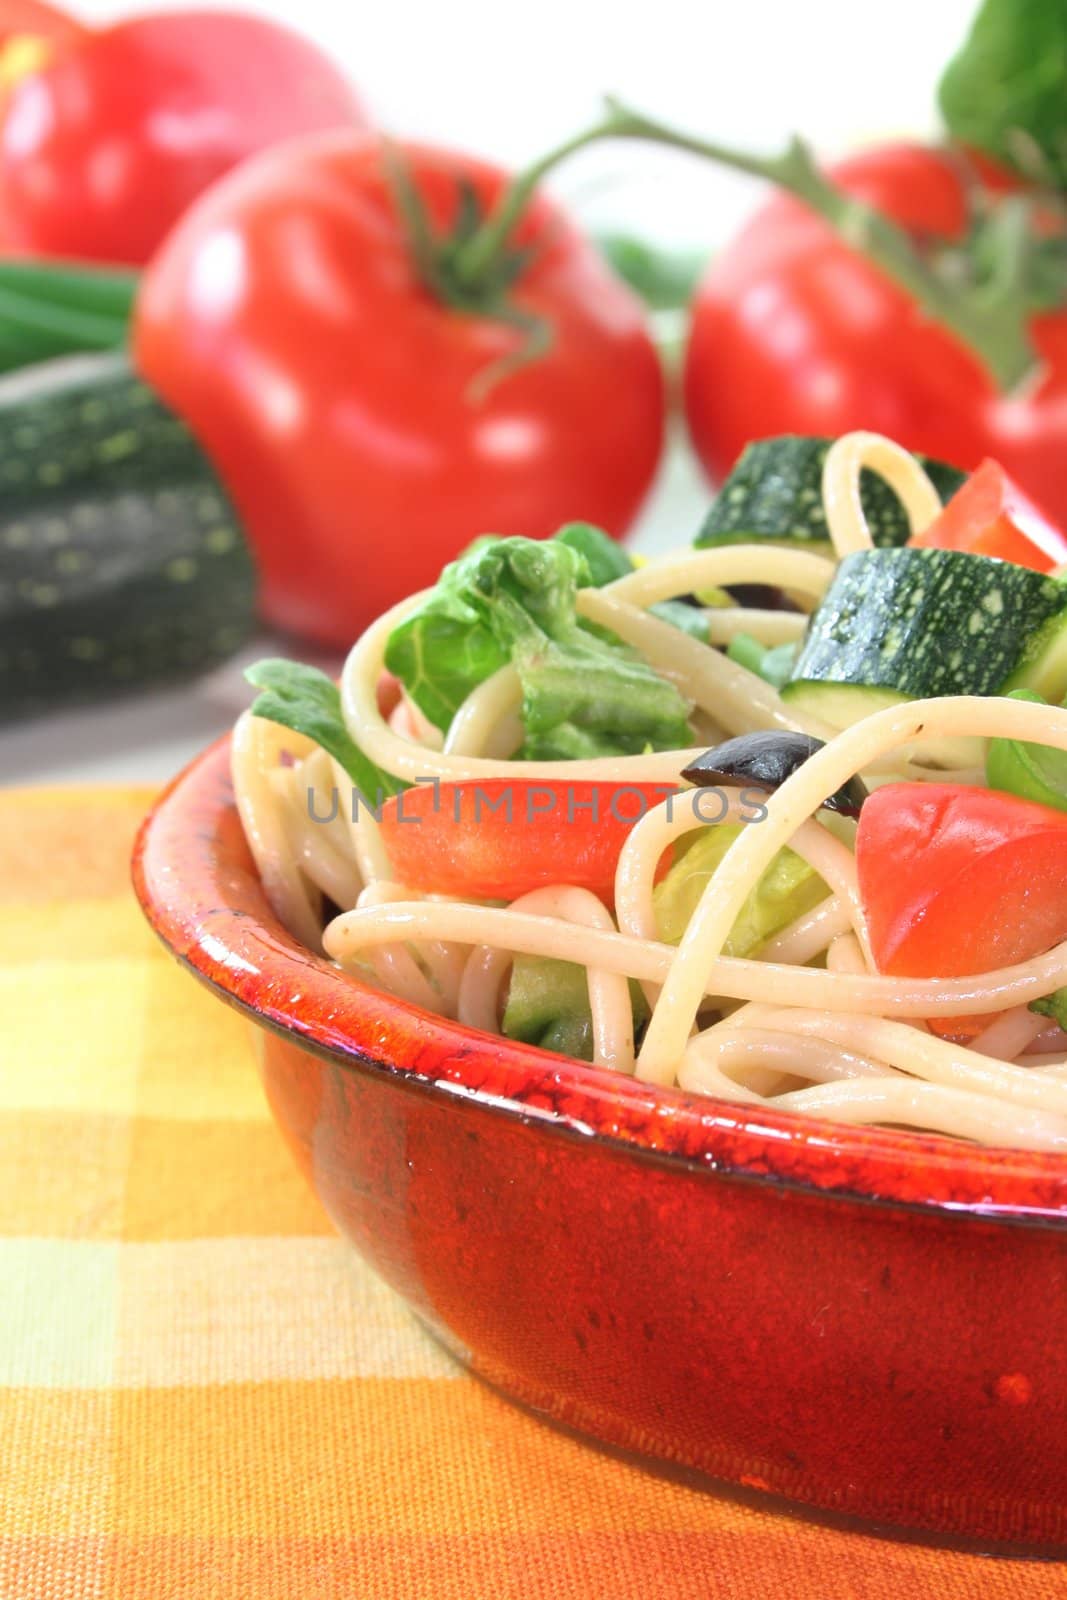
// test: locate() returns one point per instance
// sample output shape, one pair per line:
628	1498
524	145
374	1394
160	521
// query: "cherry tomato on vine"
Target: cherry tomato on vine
347	404
794	333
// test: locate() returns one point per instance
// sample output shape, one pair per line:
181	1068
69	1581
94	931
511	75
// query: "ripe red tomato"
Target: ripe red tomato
957	880
26	20
499	839
285	321
990	516
794	333
105	144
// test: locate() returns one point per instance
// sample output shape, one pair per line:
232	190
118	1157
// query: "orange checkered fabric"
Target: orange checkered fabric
205	1395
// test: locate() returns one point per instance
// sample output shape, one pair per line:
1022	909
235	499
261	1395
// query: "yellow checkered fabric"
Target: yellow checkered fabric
205	1395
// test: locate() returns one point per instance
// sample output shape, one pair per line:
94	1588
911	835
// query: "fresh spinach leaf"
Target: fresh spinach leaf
307	701
605	557
584	694
608	561
665	279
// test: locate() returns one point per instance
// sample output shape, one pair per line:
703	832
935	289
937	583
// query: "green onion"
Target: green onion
49	310
1031	771
773	664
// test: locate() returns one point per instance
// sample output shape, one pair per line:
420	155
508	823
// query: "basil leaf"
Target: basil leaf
1004	93
664	279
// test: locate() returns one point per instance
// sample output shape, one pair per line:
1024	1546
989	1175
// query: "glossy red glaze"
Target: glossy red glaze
864	1321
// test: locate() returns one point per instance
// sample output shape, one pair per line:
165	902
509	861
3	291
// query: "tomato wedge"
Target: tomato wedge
499	839
991	516
957	880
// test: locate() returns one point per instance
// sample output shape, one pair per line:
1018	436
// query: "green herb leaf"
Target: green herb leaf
1004	92
608	561
443	650
513	600
664	279
49	310
604	556
307	701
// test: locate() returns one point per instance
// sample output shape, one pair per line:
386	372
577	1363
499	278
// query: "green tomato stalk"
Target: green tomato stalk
989	315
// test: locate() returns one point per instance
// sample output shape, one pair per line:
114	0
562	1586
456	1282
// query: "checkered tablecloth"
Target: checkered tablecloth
205	1395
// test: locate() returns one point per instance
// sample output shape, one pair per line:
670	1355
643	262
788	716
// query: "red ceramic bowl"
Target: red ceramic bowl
868	1322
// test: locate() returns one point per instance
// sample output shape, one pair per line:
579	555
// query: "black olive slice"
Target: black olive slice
762	596
766	760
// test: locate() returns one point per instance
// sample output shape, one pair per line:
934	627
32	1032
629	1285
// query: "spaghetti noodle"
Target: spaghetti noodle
806	1022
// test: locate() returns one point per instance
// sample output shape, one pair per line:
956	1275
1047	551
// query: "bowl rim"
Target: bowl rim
197	885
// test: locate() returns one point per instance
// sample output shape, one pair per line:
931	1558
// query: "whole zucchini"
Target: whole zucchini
122	562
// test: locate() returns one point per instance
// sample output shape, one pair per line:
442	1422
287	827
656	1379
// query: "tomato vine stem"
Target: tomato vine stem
990	319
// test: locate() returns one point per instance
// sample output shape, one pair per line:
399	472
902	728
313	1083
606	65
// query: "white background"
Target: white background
508	81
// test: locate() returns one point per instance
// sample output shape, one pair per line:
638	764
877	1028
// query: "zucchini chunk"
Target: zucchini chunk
774	494
909	624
